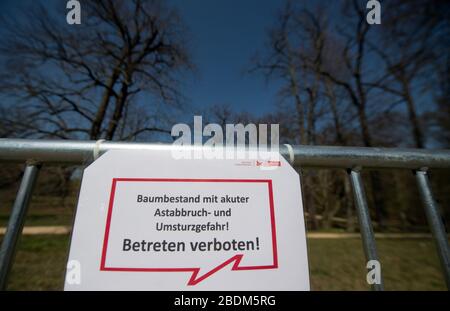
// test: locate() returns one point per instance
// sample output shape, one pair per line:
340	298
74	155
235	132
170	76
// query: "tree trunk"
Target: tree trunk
416	131
350	226
298	105
118	110
103	107
365	133
333	106
377	187
309	201
378	200
311	119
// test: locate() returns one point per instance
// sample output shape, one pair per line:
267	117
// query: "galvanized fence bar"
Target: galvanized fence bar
365	225
81	152
435	222
16	220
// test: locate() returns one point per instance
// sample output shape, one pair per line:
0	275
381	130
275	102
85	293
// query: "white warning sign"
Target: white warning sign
147	221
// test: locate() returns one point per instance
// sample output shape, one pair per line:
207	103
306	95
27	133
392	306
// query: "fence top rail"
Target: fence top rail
81	152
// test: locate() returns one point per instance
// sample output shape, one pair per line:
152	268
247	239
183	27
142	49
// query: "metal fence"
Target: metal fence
38	152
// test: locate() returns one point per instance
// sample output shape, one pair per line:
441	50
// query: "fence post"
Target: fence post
365	225
16	220
435	222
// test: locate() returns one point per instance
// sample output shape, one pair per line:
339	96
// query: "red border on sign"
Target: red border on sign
195	271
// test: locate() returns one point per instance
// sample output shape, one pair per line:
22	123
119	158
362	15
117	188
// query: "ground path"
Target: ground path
40	230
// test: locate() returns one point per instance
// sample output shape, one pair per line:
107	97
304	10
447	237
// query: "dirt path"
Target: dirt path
42	230
330	235
37	230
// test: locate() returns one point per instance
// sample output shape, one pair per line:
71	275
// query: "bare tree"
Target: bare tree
80	81
222	115
282	61
353	56
297	49
439	120
409	51
402	72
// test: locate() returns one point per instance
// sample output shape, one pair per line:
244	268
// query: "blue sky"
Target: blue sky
225	35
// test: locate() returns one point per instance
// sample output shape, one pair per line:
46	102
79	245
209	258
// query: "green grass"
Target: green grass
39	263
43	211
334	264
407	264
42	217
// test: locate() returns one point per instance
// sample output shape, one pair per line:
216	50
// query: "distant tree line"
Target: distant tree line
348	83
118	74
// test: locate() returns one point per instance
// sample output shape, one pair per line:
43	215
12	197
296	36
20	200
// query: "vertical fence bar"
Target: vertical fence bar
16	220
435	223
365	224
